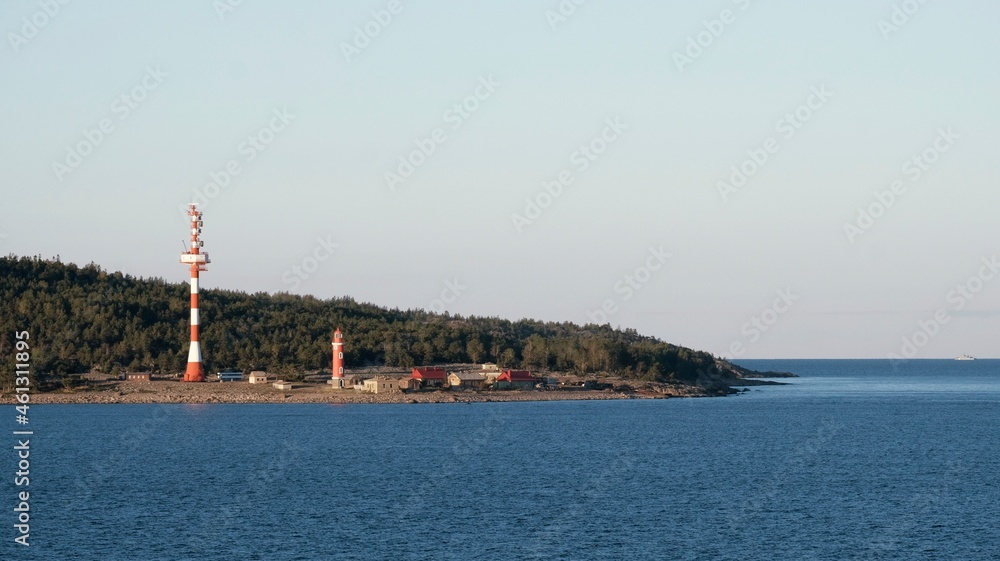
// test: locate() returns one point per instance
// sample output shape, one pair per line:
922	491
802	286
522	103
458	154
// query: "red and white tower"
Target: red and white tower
338	359
198	261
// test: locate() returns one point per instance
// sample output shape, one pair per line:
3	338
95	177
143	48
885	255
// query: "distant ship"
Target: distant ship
966	357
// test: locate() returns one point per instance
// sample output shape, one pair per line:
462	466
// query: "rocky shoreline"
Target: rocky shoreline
727	379
176	392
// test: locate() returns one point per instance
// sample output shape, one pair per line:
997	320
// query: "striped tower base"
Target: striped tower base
194	372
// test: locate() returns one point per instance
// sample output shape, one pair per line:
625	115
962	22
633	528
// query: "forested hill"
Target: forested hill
86	319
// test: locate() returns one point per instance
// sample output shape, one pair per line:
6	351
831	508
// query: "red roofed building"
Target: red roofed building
430	377
516	379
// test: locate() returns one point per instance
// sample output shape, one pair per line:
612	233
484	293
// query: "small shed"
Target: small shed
381	384
282	385
230	376
466	380
258	377
137	376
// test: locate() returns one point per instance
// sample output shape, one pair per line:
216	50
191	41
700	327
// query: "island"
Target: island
109	337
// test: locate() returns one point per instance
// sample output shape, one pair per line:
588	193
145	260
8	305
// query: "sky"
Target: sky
754	179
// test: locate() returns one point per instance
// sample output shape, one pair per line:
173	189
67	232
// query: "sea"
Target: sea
854	459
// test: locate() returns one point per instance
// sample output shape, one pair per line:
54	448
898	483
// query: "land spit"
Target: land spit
240	392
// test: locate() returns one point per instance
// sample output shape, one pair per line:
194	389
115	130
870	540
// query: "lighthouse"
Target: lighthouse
337	380
197	261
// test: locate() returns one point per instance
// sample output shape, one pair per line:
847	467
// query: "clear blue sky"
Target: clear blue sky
217	80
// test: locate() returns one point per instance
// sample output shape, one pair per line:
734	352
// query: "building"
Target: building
258	377
516	380
430	377
137	376
490	367
230	376
382	384
466	380
577	383
282	385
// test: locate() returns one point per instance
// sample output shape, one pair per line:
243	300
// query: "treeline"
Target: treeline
86	319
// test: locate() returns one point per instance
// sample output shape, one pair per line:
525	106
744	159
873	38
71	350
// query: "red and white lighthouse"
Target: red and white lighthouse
198	261
338	359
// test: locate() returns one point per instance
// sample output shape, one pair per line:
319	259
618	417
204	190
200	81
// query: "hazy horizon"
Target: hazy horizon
289	122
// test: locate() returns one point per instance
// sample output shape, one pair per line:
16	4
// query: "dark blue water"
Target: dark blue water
854	460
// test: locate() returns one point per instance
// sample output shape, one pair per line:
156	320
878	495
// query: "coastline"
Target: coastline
182	393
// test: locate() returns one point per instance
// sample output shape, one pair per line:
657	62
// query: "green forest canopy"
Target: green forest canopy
86	319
